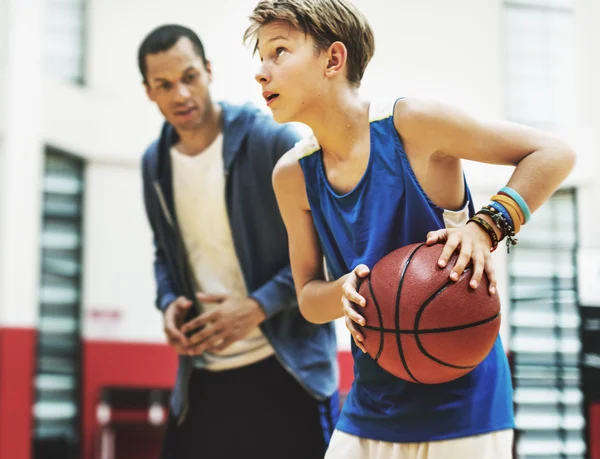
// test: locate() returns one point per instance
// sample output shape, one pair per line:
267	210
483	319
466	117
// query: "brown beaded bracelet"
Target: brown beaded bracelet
488	229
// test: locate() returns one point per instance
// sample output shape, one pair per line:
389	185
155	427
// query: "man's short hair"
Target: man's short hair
164	38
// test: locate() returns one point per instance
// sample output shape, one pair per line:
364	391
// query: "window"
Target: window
545	339
540	62
56	409
64	53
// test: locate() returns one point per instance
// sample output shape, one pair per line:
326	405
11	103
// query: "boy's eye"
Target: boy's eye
279	51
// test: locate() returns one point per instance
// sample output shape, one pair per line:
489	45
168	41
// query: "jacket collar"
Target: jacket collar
236	121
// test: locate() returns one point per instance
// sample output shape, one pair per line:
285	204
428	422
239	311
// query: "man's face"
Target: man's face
178	81
291	72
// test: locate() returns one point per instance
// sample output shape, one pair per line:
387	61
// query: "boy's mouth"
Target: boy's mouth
270	96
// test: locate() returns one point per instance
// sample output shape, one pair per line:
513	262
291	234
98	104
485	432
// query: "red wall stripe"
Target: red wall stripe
17	357
140	365
106	363
594	431
119	364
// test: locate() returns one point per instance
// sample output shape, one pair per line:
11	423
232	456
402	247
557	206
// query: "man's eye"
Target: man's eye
189	78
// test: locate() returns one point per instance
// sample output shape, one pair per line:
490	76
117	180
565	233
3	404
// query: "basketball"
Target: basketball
420	325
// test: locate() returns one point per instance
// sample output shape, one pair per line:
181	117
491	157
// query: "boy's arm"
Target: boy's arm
542	163
319	300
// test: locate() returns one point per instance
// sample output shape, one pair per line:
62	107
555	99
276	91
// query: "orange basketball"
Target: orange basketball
420	325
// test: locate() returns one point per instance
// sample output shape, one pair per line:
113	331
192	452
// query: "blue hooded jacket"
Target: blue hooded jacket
252	144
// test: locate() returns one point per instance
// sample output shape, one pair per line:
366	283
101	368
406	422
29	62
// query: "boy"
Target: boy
378	176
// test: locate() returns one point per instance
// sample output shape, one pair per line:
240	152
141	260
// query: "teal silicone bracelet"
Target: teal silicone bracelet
519	200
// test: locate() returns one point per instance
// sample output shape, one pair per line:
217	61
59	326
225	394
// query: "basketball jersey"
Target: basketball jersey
386	210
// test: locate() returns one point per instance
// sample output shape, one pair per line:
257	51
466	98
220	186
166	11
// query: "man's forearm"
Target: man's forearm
321	301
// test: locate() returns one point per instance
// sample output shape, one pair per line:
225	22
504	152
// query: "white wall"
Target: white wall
118	278
20	160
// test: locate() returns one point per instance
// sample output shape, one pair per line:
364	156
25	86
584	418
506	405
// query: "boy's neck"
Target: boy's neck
339	123
195	141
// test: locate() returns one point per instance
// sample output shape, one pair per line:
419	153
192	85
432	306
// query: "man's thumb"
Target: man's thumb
185	303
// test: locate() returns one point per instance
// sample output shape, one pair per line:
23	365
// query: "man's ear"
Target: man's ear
148	91
208	67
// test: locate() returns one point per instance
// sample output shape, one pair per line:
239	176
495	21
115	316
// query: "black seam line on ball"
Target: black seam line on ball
397	321
416	335
380	350
427	331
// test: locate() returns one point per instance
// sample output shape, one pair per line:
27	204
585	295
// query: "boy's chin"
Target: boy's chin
280	117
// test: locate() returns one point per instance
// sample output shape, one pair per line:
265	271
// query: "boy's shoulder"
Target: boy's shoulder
288	167
288	176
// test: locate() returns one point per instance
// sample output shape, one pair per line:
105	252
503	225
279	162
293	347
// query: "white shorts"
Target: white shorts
494	445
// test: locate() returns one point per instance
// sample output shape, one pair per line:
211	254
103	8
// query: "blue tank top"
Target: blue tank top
386	210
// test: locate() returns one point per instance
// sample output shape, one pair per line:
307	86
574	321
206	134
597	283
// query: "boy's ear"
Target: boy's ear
337	55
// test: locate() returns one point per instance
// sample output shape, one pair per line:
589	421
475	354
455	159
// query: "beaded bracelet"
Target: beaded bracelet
488	229
506	229
498	220
505	213
510	210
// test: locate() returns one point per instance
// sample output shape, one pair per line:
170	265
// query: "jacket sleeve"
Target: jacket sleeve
279	292
165	291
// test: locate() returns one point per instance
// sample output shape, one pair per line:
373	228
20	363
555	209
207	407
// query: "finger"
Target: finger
201	321
361	270
211	298
464	257
205	334
225	344
181	350
356	335
478	267
176	308
491	273
173	334
449	248
183	302
350	312
350	293
175	342
209	343
433	237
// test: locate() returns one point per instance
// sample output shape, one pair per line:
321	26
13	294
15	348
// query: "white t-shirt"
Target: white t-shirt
199	192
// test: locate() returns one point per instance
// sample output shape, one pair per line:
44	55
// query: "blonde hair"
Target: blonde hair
326	21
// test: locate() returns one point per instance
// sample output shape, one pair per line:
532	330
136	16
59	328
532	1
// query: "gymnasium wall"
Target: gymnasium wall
451	51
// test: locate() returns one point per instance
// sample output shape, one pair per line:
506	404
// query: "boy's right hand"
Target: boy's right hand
350	296
173	321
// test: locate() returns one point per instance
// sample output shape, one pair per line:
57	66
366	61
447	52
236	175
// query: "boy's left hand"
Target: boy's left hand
473	245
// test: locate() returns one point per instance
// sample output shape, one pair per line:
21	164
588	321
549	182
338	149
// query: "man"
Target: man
376	177
255	379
